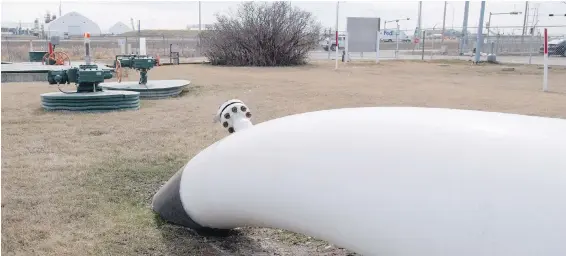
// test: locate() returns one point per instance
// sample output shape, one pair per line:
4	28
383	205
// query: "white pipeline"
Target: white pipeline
391	181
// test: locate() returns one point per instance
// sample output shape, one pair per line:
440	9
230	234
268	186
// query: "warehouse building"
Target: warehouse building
72	24
119	28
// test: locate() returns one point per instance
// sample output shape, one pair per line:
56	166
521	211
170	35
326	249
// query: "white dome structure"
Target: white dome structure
119	28
74	24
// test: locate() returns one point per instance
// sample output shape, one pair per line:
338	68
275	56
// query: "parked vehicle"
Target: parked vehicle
555	47
389	35
331	43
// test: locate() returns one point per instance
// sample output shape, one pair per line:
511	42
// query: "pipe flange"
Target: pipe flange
230	111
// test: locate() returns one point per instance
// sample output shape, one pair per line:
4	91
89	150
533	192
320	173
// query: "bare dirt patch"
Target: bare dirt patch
76	184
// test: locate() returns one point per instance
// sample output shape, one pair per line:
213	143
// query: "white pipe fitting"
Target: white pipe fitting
234	115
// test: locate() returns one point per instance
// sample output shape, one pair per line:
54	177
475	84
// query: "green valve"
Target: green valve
57	77
72	75
107	74
141	63
86	77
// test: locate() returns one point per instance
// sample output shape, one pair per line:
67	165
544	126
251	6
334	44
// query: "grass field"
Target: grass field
81	184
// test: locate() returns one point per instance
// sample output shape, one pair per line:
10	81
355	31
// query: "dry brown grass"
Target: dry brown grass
81	184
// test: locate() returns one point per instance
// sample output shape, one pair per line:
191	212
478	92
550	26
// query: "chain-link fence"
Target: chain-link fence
17	48
508	44
504	42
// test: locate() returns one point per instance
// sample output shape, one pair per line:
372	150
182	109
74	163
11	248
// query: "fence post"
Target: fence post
432	48
377	47
545	75
424	36
346	52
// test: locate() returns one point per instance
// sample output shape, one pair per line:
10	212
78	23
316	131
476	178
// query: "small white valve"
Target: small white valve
234	115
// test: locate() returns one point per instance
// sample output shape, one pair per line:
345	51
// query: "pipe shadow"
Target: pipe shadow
184	241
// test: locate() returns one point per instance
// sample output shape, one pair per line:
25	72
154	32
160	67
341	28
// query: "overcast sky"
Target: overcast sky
177	14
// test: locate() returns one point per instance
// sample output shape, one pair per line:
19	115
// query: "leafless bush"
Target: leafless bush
261	34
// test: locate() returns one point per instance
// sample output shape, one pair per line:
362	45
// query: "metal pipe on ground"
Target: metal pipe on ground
403	189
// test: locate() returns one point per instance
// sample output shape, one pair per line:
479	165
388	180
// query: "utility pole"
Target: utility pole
464	38
479	40
60	8
443	24
139	36
525	19
337	45
419	22
525	22
199	28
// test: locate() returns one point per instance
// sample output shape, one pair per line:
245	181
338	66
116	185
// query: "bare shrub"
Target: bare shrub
261	34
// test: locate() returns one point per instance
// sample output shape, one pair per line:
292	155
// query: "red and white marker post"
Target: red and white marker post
86	37
545	76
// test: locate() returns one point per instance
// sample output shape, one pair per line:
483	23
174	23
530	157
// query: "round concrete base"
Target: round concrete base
154	89
91	101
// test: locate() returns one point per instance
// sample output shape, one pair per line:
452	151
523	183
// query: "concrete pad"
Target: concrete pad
23	77
154	89
90	101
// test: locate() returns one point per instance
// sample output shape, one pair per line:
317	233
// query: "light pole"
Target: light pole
535	21
464	36
396	34
419	23
199	29
443	24
337	45
488	25
453	12
525	20
479	39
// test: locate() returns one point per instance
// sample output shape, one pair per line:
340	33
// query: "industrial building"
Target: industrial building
119	28
72	24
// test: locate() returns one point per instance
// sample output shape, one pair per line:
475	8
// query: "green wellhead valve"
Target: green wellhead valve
141	63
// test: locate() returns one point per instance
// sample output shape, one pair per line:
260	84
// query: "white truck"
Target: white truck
389	35
330	43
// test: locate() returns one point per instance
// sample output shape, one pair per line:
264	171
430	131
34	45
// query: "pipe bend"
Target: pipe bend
391	181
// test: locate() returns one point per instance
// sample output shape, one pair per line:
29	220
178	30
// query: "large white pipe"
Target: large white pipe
391	181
